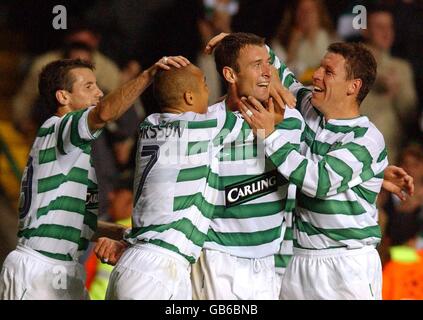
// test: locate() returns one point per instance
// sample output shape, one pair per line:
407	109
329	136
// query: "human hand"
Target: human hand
397	181
214	42
108	250
281	95
166	63
262	121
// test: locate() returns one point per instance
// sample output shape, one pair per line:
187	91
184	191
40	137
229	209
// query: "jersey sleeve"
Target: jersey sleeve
344	167
73	132
292	128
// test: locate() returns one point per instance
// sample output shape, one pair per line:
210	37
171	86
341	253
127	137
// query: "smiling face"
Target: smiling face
85	91
330	84
253	78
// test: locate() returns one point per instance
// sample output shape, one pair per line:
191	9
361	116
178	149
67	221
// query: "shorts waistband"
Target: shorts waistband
270	257
157	249
257	263
30	251
344	251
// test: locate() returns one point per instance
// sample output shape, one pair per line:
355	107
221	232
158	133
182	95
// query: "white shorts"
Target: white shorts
333	274
149	272
29	275
197	279
226	277
279	278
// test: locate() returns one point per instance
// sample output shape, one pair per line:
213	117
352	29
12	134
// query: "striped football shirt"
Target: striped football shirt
339	176
176	187
250	213
285	253
59	198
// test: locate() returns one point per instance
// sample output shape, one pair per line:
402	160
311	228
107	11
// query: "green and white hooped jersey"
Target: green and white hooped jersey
249	217
59	194
175	186
338	179
286	248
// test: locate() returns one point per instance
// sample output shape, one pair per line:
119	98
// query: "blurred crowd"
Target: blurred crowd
122	36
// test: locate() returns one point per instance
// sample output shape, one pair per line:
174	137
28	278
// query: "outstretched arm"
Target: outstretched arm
119	100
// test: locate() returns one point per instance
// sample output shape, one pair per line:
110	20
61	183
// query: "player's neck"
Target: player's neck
232	101
181	108
62	110
347	110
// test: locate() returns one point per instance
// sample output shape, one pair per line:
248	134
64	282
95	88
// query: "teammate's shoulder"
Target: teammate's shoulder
48	126
208	119
151	120
293	113
50	121
217	107
372	132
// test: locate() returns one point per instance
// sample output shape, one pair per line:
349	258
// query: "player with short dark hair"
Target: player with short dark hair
59	197
338	178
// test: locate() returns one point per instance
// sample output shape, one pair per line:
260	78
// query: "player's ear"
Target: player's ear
354	87
63	97
189	98
229	74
